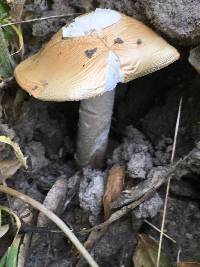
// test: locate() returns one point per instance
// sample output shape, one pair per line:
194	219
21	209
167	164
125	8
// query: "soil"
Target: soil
141	139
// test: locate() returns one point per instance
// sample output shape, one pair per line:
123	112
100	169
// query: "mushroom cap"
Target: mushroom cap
78	64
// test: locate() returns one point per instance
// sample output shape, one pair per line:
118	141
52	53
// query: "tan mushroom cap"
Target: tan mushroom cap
76	68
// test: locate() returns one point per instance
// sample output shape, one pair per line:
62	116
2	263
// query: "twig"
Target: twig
178	256
123	211
176	130
37	19
37	205
168	184
93	238
157	229
126	209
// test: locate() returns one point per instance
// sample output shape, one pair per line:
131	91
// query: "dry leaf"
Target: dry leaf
54	201
188	264
13	214
17	150
114	187
146	253
8	168
17	7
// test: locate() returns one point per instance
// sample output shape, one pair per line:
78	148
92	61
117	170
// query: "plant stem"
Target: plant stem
94	126
37	205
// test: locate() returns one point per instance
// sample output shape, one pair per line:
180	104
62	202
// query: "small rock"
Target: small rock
149	208
179	20
134	143
91	193
163	151
139	164
189	236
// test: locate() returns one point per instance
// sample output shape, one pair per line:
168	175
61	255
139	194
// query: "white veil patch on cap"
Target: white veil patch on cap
114	74
92	22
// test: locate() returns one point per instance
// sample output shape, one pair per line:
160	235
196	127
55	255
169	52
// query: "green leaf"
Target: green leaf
8	33
12	253
146	253
4	10
6	63
9	259
197	259
3	260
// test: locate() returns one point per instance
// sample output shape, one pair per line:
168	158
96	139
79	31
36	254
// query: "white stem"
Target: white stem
94	126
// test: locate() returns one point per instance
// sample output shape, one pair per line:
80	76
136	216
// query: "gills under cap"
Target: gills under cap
91	55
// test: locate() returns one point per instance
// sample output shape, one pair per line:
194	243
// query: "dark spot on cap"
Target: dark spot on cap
90	52
35	88
44	83
118	40
139	41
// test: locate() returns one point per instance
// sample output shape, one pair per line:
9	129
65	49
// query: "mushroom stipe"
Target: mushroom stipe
85	61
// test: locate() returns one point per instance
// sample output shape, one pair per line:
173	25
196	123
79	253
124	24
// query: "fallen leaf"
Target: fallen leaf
10	257
8	168
114	187
15	216
17	150
54	201
146	253
16	9
188	264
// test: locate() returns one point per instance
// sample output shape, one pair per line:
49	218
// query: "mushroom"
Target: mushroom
85	61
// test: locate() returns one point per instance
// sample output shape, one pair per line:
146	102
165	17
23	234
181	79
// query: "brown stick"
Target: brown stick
37	205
